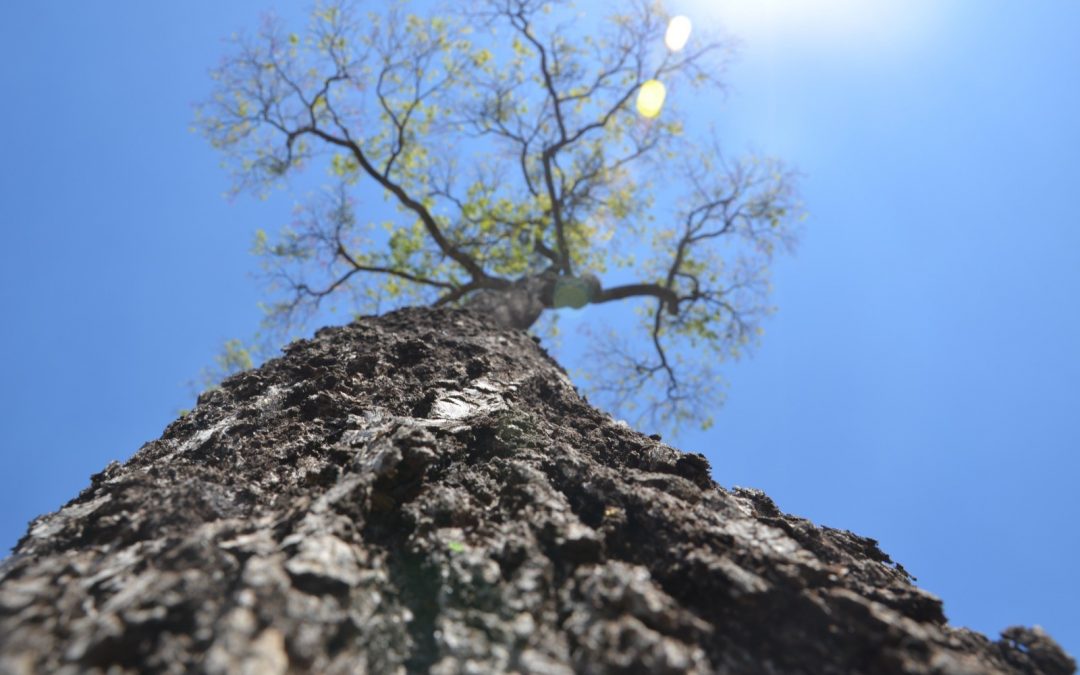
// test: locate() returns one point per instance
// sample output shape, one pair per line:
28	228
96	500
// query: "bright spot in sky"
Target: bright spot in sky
678	32
824	25
650	100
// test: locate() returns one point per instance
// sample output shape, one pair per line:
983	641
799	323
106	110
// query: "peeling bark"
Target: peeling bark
426	492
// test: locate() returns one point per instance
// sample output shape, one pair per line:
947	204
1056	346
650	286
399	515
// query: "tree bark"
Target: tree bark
426	492
518	306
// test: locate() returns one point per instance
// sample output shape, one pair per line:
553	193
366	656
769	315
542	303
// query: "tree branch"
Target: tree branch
430	224
666	296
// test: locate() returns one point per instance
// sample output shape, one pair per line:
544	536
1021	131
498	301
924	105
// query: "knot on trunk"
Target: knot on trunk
521	304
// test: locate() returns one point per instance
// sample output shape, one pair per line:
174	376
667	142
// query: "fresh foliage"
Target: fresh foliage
517	139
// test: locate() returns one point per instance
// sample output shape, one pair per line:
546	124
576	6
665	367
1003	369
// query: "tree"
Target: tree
516	142
423	492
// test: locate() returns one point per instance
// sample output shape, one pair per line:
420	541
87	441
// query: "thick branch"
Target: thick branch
666	296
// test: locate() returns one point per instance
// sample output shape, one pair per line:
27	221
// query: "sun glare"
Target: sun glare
678	33
825	25
650	100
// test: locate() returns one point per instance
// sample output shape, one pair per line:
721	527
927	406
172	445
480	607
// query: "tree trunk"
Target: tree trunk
518	306
426	492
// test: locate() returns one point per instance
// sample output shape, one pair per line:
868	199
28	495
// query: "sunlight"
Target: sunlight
824	25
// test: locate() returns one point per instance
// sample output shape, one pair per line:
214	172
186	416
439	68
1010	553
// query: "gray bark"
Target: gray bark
520	305
426	492
516	307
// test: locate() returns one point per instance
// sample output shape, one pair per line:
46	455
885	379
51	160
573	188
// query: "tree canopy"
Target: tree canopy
522	144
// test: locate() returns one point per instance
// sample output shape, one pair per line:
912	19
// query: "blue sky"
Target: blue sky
917	386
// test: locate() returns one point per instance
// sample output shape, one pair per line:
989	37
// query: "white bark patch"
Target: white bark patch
325	557
482	396
53	524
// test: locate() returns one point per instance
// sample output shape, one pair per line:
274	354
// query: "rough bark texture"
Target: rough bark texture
425	492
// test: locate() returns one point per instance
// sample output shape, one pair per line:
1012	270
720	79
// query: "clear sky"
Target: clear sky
919	384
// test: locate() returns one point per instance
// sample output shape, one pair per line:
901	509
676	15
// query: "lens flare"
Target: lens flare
678	32
650	100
